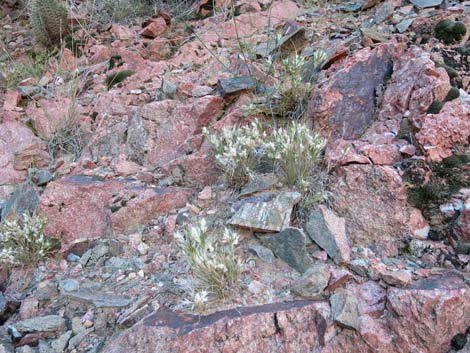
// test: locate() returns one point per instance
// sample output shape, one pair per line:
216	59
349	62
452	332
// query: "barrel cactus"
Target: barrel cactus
49	21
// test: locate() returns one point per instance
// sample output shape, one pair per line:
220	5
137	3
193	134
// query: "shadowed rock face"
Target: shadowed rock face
345	106
422	318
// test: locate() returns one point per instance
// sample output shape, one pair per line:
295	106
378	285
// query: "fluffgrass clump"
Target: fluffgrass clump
23	242
296	151
238	151
293	152
117	77
49	21
212	259
294	76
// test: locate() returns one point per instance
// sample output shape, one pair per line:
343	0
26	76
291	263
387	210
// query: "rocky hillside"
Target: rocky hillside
235	176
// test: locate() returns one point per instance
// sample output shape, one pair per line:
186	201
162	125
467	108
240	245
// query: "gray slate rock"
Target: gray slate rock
344	309
229	86
49	323
59	344
42	177
313	281
262	252
6	346
422	4
270	216
290	246
24	200
68	285
329	232
100	300
404	25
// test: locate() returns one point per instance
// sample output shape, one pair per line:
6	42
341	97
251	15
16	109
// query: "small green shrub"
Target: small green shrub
450	31
24	242
49	21
117	77
212	258
16	70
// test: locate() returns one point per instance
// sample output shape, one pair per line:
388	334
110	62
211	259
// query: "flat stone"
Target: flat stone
396	278
290	246
313	281
42	177
292	34
69	285
24	200
404	25
338	277
5	346
229	86
422	4
262	252
344	309
49	323
100	300
59	344
259	183
329	232
269	216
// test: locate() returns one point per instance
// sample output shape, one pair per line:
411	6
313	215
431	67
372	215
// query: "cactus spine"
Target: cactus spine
49	21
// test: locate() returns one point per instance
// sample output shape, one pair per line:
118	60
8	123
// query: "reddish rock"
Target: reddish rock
99	53
19	148
11	100
426	317
440	134
122	32
77	208
386	154
462	225
126	168
81	207
198	169
205	194
344	106
396	278
156	137
46	115
29	308
292	327
155	28
68	62
416	84
337	278
373	201
149	203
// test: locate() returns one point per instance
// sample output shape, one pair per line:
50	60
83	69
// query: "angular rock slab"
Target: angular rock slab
266	216
100	300
344	106
290	246
294	327
313	281
329	232
344	309
50	323
82	207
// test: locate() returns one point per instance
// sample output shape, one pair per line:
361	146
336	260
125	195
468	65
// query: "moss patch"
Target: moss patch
428	193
